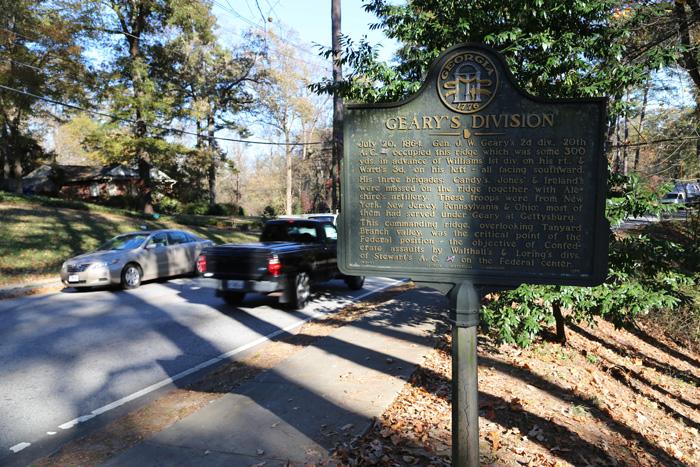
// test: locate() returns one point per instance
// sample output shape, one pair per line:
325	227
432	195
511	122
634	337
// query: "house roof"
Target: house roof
84	173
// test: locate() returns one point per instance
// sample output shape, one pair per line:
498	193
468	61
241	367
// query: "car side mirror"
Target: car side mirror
151	246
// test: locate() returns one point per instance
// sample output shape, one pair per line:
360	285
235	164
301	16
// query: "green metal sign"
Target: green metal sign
473	179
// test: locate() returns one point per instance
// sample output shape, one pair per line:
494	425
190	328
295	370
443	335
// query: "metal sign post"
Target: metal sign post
464	308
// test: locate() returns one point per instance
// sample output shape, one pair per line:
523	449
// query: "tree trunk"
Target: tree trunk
144	166
213	154
212	182
561	324
142	158
642	113
337	106
14	159
697	125
288	198
617	166
17	174
626	134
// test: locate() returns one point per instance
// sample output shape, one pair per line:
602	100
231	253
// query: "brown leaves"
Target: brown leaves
548	406
495	437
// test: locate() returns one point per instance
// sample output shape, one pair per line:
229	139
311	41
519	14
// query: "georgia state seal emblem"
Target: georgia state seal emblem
467	82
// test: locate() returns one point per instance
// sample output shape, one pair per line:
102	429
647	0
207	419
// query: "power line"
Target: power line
273	8
230	9
157	127
250	9
154	126
262	15
257	26
656	141
31	39
47	50
320	63
22	64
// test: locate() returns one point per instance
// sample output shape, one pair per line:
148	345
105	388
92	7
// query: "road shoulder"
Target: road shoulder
339	374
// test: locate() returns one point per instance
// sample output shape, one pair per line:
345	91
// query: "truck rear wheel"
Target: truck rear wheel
300	290
233	298
355	282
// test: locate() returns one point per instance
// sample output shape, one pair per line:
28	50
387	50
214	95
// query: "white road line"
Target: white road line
19	446
210	362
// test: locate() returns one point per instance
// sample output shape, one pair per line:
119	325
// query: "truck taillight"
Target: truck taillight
274	266
202	264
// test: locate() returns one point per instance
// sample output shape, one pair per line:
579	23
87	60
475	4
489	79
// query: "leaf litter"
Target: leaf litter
610	397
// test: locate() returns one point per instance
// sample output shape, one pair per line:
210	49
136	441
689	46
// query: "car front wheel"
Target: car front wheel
131	276
300	290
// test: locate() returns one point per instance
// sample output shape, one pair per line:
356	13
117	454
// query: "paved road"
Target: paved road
636	222
73	359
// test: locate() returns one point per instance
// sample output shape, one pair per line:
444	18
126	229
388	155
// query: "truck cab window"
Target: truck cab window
331	233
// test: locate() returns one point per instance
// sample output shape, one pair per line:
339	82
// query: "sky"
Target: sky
310	18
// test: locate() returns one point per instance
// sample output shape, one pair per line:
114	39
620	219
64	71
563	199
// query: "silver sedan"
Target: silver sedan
128	259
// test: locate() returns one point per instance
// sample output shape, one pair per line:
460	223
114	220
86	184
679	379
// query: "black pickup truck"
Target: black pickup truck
291	254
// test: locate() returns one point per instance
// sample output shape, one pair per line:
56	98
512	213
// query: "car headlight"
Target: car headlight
103	264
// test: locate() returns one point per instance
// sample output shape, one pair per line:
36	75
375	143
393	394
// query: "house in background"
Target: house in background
91	183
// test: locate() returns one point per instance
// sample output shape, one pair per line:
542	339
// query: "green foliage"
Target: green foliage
554	49
646	273
167	205
41	54
518	316
225	209
268	213
199	208
204	208
630	196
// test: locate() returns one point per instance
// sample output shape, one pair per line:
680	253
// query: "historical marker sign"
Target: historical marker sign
472	179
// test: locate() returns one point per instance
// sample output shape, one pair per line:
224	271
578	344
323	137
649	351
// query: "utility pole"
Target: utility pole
337	106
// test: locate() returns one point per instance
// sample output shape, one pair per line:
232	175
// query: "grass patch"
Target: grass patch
37	234
48	202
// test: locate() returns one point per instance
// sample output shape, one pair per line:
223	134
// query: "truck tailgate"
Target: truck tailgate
237	261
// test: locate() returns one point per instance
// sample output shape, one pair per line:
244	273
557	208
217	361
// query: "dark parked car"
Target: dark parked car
291	254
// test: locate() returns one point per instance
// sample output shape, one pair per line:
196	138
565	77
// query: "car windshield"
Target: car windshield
124	242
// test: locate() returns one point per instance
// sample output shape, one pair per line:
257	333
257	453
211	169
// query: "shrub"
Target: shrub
225	209
645	274
217	210
122	202
199	208
268	213
167	205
